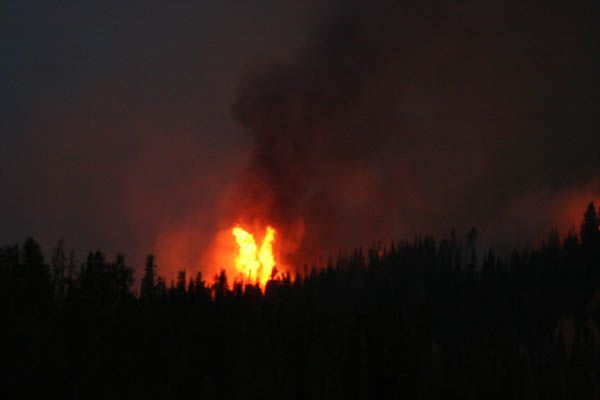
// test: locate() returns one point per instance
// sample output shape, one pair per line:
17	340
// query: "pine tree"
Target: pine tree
590	233
59	266
147	289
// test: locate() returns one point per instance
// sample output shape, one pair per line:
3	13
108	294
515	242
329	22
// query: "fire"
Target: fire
253	263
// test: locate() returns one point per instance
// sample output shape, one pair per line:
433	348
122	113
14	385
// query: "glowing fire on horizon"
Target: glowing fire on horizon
254	263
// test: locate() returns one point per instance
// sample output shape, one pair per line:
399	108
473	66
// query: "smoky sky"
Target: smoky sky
399	118
145	127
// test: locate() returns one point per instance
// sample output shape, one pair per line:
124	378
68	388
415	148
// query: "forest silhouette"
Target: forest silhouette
419	319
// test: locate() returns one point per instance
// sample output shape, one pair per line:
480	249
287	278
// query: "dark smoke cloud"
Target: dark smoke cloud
393	118
411	117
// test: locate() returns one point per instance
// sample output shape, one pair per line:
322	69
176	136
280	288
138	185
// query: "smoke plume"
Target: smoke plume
404	117
342	123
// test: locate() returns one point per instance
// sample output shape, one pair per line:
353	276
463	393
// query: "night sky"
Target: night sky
146	127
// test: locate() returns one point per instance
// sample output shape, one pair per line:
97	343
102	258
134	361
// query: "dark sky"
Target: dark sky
140	126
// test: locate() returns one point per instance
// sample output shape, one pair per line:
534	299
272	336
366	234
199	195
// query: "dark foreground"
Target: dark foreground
419	320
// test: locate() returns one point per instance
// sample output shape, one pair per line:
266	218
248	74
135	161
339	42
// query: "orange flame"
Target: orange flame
253	263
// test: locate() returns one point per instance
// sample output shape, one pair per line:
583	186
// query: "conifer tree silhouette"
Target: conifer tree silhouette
417	320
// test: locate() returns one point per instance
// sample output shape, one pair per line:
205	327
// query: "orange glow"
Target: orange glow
253	263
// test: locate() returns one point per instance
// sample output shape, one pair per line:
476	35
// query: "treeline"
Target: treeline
412	320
